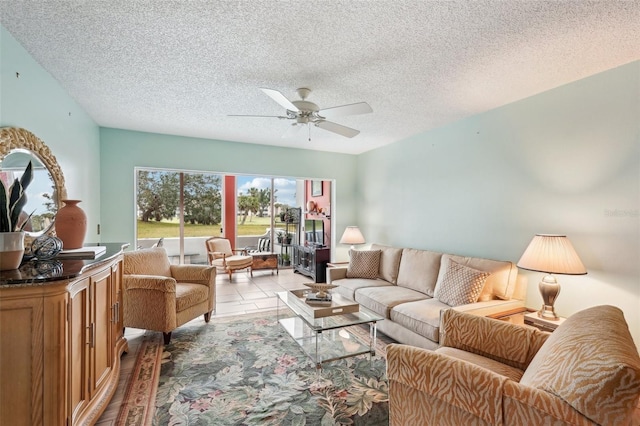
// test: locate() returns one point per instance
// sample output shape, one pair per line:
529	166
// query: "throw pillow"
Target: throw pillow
363	264
460	285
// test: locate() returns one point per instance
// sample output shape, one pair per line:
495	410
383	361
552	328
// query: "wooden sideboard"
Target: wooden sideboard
61	338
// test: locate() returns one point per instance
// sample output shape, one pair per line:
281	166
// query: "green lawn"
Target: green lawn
153	229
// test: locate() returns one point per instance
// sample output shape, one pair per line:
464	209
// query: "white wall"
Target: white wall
564	161
121	151
34	100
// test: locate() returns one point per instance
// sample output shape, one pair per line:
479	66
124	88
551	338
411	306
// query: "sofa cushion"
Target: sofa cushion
389	262
363	264
348	287
421	317
460	284
189	294
598	361
419	270
382	299
512	373
500	284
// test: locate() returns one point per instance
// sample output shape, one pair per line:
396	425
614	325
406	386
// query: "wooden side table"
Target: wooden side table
531	319
264	261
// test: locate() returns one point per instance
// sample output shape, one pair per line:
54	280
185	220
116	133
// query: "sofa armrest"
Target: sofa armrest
507	343
197	274
149	302
490	307
149	282
336	273
528	405
425	385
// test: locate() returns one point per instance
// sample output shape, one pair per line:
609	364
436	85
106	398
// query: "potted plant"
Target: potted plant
286	260
12	221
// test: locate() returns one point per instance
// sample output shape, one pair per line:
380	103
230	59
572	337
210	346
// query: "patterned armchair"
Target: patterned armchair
161	297
224	258
489	372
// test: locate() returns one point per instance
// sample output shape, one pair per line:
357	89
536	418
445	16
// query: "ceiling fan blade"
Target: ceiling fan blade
262	116
280	99
337	128
351	109
292	131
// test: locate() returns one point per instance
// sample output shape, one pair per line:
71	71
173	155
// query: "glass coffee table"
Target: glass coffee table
322	331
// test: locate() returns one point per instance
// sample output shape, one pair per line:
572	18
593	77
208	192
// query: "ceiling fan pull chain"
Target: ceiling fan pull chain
309	127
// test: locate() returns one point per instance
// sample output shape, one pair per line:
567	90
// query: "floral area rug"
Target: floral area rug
138	405
246	370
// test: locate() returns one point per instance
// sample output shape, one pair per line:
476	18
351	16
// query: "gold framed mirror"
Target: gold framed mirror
47	190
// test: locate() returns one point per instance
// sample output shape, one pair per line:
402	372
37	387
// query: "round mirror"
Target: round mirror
44	194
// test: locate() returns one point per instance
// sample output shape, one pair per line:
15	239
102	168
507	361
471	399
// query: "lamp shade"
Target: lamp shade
552	254
352	235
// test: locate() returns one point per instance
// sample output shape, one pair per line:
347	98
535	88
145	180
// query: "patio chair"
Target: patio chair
226	259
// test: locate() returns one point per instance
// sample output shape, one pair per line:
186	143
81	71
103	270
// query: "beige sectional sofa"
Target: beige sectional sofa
411	288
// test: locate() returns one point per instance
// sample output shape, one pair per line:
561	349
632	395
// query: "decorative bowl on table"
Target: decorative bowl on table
321	289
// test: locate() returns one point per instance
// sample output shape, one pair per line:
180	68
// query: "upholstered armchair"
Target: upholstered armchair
489	372
224	258
160	296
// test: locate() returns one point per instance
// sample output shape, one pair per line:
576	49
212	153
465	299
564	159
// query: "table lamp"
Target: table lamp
551	254
353	236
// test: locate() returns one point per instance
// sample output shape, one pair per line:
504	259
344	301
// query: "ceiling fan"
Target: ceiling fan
307	113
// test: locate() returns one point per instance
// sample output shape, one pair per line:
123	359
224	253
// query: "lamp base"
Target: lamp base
549	290
548	313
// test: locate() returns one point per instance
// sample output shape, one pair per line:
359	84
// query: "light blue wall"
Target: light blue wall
121	151
564	161
35	101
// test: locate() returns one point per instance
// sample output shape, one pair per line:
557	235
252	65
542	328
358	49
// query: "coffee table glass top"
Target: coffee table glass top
305	312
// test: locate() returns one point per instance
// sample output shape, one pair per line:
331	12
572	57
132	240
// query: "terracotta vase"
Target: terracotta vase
71	225
11	250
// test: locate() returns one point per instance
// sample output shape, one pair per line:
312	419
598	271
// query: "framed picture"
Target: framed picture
316	188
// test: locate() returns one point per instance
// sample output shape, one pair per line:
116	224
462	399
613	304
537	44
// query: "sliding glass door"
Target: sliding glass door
178	210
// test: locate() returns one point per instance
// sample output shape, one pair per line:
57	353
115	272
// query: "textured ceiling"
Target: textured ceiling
182	67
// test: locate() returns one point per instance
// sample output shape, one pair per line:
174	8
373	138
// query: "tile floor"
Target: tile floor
245	294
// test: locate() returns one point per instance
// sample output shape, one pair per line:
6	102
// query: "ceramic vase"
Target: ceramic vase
71	225
11	250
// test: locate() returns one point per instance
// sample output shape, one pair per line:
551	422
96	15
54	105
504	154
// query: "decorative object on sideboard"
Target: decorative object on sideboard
551	254
13	220
71	225
46	247
352	236
19	146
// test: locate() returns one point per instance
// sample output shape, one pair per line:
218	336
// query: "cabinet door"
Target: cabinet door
79	334
21	348
116	302
101	337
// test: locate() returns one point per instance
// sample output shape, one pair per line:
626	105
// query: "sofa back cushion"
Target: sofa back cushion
500	284
151	261
592	363
419	270
389	262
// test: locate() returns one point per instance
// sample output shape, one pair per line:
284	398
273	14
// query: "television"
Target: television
314	232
